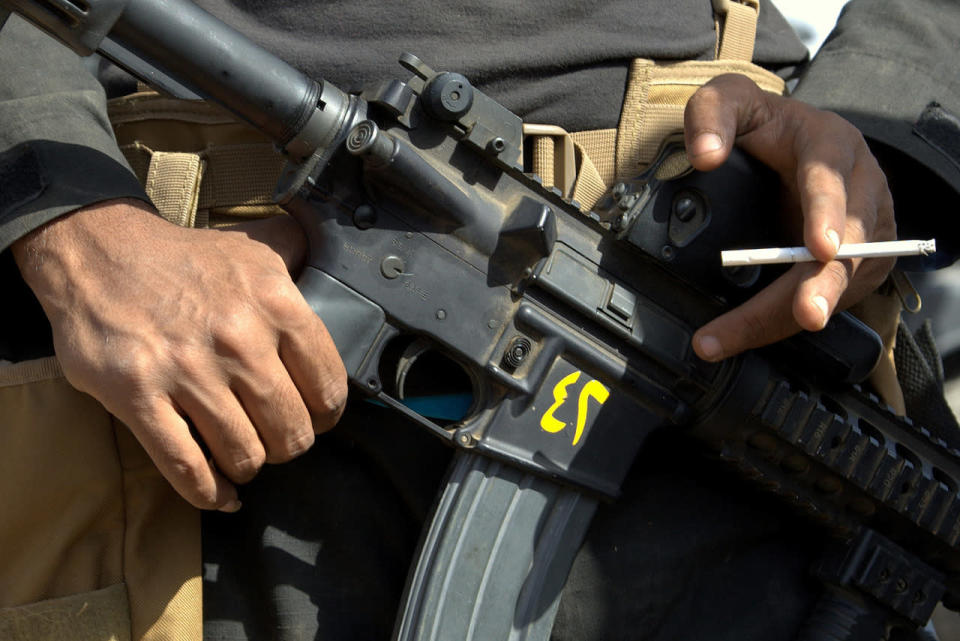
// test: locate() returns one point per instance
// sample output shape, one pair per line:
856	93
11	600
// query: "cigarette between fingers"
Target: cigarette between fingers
773	255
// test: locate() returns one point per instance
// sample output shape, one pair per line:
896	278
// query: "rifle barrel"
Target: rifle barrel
219	63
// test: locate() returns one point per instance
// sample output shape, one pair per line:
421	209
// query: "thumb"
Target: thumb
716	114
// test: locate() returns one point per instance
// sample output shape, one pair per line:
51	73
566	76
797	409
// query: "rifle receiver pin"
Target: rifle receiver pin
364	217
392	267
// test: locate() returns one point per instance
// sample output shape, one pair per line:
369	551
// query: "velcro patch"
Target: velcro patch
941	130
21	178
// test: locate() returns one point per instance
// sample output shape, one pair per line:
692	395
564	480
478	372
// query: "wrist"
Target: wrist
51	257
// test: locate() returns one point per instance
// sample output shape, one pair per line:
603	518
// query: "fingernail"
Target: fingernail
710	348
705	143
834	238
822	305
231	507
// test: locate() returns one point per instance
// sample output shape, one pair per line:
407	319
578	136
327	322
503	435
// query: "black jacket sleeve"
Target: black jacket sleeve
57	154
890	67
57	151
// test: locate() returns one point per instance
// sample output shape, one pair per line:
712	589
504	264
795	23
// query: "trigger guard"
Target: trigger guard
405	363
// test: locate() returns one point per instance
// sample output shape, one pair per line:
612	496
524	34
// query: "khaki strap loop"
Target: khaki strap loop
737	28
241	179
173	184
596	167
556	169
219	185
199	165
565	160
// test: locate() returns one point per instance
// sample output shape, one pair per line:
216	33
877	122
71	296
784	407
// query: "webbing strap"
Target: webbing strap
173	185
25	372
219	185
653	106
656	96
241	179
199	165
737	28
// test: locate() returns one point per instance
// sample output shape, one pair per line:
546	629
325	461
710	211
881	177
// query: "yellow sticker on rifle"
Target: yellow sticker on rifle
592	389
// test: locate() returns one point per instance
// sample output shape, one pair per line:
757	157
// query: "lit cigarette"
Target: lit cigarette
738	257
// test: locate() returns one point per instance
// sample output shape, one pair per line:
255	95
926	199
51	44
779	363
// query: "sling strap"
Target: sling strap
657	93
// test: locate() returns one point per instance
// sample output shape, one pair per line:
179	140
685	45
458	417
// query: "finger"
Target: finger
870	214
763	319
225	427
824	169
166	438
819	294
315	367
716	114
276	408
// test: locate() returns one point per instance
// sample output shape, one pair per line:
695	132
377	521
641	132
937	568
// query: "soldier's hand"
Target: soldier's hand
171	328
833	183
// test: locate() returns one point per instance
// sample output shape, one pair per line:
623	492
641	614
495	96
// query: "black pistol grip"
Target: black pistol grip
495	558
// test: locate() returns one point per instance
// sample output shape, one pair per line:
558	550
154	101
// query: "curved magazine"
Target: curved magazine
496	556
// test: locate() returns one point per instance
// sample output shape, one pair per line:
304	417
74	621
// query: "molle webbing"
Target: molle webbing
657	93
198	164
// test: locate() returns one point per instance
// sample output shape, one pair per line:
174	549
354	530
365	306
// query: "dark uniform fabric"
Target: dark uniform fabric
890	68
321	548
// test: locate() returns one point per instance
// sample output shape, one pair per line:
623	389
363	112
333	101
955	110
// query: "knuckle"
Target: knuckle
856	228
281	298
330	403
235	332
193	482
293	447
244	467
139	364
834	120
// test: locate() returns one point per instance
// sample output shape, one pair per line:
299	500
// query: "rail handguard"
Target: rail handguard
572	329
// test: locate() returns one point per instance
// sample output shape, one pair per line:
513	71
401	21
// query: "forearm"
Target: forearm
57	151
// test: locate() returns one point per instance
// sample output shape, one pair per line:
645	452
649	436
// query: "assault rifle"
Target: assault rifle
573	330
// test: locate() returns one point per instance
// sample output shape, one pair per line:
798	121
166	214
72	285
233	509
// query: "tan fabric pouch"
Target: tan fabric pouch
200	166
94	543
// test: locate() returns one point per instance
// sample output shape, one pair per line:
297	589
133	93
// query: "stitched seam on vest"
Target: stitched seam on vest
32	371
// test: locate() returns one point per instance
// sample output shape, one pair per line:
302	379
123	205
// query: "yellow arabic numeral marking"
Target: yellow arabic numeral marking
595	390
547	421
